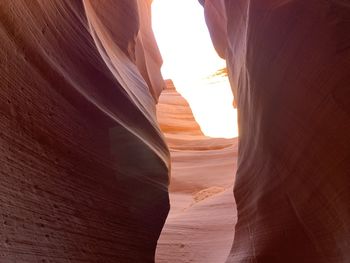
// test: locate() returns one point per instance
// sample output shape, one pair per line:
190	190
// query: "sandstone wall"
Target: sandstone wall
83	166
289	64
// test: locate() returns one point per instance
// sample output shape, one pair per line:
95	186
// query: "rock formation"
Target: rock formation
289	64
84	168
200	225
84	164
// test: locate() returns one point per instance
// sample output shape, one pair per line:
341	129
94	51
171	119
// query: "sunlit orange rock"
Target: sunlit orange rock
200	225
289	64
148	58
84	168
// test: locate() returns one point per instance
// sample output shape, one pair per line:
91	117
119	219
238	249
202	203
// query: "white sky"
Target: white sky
189	58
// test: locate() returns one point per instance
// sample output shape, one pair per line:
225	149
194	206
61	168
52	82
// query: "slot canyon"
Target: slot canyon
103	159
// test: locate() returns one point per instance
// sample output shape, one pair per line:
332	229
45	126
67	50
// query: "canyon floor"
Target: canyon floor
200	225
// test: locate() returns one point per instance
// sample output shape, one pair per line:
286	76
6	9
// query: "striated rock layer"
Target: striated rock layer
84	168
289	64
200	225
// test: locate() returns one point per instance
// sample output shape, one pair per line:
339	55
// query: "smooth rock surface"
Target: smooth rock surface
289	64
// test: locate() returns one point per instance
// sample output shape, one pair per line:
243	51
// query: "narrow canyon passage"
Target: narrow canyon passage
95	146
200	224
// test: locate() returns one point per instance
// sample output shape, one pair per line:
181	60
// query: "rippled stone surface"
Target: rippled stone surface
84	168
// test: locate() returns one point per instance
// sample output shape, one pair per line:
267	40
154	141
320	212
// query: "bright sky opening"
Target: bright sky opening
189	60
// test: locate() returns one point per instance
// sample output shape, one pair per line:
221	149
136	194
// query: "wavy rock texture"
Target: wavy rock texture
289	65
200	225
148	58
78	131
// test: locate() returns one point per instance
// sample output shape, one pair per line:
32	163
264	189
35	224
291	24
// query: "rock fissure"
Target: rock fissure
95	146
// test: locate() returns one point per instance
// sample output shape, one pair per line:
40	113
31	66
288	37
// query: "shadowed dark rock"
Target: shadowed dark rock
84	169
288	62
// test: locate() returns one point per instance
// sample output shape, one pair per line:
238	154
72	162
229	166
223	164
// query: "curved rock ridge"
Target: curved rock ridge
200	224
289	64
78	130
148	57
118	51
